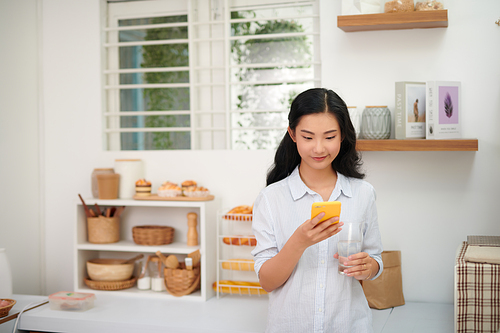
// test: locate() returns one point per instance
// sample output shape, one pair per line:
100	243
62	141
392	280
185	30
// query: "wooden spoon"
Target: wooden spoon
131	260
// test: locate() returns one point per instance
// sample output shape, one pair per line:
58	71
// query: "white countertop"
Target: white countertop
117	313
112	313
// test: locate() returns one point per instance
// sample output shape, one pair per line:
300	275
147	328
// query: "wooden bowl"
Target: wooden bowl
109	270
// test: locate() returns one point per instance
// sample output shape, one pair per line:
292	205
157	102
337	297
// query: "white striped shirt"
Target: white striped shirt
315	298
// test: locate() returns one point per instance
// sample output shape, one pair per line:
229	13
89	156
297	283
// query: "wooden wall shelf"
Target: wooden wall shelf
418	145
394	21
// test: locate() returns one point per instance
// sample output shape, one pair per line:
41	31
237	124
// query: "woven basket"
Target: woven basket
103	230
5	310
153	234
180	281
110	285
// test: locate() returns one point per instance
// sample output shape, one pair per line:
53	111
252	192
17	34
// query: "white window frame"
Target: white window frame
209	67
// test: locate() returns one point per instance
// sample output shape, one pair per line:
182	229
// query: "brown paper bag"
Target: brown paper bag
386	291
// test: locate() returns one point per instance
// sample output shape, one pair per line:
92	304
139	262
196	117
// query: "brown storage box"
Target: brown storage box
103	230
386	291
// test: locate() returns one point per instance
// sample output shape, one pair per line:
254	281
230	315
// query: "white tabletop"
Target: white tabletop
116	313
112	313
22	301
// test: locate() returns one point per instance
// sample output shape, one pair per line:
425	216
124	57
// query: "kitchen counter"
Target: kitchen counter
123	314
112	313
22	301
233	314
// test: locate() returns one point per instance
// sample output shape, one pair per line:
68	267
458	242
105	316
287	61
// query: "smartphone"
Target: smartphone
331	209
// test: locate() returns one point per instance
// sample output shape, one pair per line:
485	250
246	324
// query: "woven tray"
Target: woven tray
153	234
5	310
110	285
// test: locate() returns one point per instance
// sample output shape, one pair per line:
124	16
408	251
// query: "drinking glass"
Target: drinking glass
350	242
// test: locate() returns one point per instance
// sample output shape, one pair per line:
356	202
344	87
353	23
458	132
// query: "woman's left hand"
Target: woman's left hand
364	266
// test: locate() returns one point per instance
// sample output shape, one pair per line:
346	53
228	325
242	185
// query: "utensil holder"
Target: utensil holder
103	230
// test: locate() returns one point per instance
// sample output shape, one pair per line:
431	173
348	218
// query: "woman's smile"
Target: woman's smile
319	159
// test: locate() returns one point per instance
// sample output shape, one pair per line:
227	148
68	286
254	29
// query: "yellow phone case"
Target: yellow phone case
331	209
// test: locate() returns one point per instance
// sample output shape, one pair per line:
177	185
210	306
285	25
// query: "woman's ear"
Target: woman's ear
291	133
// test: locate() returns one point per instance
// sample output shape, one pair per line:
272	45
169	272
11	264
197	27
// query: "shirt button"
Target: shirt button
322	261
321	285
320	310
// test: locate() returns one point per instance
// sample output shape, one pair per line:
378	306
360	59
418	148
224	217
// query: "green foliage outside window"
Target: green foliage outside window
266	50
168	55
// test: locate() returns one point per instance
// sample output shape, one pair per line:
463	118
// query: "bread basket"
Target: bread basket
153	234
181	281
4	311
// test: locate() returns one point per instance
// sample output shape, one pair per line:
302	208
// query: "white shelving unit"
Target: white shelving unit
237	229
145	212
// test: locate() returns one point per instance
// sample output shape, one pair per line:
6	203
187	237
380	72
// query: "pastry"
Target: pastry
240	240
239	287
238	264
240	213
168	189
196	192
142	188
188	184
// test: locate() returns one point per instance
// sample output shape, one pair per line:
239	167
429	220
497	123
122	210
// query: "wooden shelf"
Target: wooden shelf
394	21
418	145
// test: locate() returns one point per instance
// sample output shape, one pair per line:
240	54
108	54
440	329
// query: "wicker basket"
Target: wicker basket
103	230
5	310
180	281
110	285
153	234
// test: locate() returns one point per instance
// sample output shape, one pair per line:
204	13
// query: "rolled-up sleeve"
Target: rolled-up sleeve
371	243
263	229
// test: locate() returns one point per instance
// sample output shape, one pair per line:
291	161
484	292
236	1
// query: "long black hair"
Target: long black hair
317	100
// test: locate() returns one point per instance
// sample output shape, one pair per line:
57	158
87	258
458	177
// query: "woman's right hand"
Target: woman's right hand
312	232
275	271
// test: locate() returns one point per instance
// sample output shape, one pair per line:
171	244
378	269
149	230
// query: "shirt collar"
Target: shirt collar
298	188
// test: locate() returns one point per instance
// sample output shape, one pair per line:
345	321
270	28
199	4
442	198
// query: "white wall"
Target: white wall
428	201
19	148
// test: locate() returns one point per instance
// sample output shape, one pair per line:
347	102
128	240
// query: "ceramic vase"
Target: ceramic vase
5	276
376	123
355	119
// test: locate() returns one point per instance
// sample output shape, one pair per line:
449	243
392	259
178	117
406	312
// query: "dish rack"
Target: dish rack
235	265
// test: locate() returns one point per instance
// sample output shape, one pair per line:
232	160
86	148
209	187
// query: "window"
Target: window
206	74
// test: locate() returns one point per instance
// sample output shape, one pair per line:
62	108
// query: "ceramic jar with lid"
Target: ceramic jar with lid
376	123
130	171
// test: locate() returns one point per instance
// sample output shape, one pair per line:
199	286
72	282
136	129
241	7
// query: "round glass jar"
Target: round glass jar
398	6
376	123
421	5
